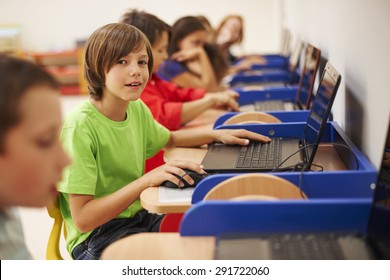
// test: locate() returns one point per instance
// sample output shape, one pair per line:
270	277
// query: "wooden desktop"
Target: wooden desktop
326	156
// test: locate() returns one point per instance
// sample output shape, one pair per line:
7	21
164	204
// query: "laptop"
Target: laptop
375	244
304	91
280	153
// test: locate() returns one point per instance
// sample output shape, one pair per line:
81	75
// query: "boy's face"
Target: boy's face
127	78
193	40
33	157
160	51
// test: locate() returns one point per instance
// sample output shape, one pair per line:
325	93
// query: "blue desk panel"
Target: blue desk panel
212	218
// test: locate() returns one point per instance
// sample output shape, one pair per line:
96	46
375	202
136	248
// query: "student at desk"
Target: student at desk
171	106
31	155
192	62
110	136
228	33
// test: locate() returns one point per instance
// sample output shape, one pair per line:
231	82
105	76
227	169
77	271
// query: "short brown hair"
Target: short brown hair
149	24
17	77
105	47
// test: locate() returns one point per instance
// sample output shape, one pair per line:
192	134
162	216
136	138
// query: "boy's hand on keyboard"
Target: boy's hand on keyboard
239	136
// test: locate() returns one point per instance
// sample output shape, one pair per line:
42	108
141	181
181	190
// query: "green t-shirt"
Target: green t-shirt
106	156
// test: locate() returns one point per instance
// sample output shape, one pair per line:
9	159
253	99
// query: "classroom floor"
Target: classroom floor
36	222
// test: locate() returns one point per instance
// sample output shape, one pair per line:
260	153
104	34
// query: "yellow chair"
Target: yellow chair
252	117
53	245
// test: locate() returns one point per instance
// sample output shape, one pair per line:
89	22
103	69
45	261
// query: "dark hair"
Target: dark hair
149	24
17	77
181	28
218	61
105	47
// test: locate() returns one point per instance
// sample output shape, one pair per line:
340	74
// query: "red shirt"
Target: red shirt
165	101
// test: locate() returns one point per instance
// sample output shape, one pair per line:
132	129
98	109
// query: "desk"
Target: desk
205	120
158	246
326	156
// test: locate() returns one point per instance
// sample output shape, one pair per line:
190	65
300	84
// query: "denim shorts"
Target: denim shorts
101	237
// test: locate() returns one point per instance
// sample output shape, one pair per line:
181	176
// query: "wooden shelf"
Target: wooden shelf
66	66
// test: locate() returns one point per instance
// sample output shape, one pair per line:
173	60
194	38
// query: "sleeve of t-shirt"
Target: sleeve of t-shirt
157	134
164	111
184	94
79	144
170	69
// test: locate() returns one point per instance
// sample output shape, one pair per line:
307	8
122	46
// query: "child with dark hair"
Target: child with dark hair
31	154
189	64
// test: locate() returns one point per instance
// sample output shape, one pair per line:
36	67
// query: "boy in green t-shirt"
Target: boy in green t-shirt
109	138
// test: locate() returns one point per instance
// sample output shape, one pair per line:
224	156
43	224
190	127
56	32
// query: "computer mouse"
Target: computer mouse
194	175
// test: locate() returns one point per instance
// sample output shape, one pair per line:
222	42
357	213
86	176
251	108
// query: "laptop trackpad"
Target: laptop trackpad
289	147
220	156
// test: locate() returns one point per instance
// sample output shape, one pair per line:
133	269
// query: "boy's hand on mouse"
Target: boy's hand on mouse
239	136
167	172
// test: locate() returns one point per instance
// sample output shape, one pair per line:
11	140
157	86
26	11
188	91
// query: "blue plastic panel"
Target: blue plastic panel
316	185
211	218
287	93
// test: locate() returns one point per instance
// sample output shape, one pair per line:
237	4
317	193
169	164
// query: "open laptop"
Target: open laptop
280	153
304	91
375	244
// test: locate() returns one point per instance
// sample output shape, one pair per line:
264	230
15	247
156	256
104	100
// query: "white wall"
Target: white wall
354	36
57	24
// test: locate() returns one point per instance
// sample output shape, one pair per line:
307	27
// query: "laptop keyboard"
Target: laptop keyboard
259	155
305	246
384	176
272	105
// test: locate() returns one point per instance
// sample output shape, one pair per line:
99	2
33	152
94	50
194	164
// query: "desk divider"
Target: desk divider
337	200
211	218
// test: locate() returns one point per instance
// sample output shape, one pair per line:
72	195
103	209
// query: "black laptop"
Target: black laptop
375	244
304	91
280	153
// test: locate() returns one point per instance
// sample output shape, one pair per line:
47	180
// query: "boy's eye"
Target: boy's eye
122	61
45	143
143	62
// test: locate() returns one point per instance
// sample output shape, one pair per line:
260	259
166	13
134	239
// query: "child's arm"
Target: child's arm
89	213
192	109
187	138
206	78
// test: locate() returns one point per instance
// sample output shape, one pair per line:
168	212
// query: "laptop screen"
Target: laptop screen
378	230
296	54
320	111
308	75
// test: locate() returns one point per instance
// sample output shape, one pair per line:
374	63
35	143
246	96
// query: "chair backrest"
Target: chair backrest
53	245
255	184
252	117
171	222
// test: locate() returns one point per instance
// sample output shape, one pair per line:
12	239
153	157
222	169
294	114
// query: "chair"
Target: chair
53	245
171	222
252	117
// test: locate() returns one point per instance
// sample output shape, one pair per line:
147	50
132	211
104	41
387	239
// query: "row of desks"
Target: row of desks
159	245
